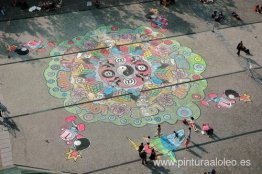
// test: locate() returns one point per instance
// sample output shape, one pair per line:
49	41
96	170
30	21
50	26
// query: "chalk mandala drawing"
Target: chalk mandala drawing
134	64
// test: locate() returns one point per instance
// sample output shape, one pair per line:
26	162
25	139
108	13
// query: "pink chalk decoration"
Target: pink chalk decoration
153	25
69	142
212	95
78	136
81	127
162	30
205	103
70	118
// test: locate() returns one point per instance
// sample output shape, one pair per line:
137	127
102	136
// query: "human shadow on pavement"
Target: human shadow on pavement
199	147
156	169
194	153
7	121
59	27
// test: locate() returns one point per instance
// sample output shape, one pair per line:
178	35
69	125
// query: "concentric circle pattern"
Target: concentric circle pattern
118	64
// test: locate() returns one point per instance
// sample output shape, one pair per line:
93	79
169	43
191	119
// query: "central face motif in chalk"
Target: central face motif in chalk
126	71
135	70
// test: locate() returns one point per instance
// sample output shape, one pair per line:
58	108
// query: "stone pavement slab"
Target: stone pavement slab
238	128
110	152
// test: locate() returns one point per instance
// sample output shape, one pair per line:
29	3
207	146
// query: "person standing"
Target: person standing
187	143
176	134
193	124
143	156
189	132
141	147
152	155
159	130
213	171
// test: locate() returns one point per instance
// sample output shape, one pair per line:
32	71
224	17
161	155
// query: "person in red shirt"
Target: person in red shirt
187	143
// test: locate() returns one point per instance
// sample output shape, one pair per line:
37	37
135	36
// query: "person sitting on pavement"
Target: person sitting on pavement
214	14
97	3
257	9
47	5
219	17
241	47
164	2
235	15
207	129
153	13
207	1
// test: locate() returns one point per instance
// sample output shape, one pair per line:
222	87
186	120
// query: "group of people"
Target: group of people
144	149
207	1
143	153
167	2
218	17
235	15
258	9
206	129
157	21
47	5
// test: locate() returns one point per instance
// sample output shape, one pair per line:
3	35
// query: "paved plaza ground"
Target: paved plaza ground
39	116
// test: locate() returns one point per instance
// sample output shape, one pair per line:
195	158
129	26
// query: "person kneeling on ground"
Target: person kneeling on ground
207	129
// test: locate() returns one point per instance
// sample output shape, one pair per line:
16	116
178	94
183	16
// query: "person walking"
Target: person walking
193	124
187	143
189	132
176	134
239	47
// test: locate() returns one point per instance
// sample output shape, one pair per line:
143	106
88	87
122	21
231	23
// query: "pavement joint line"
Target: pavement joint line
25	167
167	37
76	104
